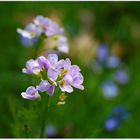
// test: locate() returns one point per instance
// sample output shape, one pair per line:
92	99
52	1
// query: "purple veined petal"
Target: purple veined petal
78	79
51	90
53	59
32	28
38	20
52	74
65	87
43	86
68	78
81	87
31	64
74	70
51	28
67	64
50	32
43	62
60	64
32	67
31	93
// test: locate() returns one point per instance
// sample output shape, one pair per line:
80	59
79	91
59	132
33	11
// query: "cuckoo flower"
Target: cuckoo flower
63	44
71	78
49	28
32	67
30	31
40	25
54	73
31	93
58	42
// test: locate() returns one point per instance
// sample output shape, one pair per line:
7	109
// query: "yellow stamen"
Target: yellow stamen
62	97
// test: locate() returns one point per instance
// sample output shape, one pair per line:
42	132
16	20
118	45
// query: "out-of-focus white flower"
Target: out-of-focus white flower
63	44
58	42
109	89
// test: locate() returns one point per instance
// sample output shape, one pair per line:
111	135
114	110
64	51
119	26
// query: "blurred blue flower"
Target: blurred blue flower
50	131
27	42
102	52
120	112
109	89
111	123
121	76
118	115
113	62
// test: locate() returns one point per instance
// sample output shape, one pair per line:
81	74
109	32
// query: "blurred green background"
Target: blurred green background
84	113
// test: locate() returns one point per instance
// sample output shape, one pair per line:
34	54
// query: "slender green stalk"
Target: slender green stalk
44	116
38	45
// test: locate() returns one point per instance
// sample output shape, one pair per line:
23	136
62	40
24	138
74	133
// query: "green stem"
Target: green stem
38	45
44	117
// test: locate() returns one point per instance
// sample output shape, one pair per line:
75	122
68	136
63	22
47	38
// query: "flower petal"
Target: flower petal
51	90
66	88
52	74
53	59
43	86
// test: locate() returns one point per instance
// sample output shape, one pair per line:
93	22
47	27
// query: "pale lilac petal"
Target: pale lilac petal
43	62
67	64
74	70
32	67
60	64
38	20
78	79
31	93
51	90
68	78
43	86
66	88
53	59
79	87
52	74
33	29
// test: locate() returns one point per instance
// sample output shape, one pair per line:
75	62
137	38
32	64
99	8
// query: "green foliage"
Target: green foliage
84	113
